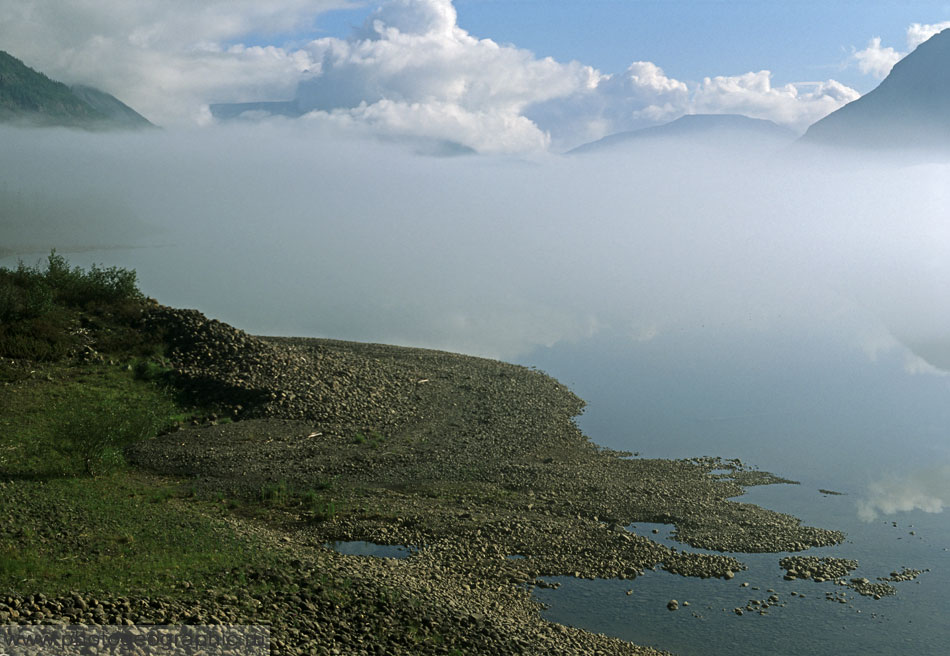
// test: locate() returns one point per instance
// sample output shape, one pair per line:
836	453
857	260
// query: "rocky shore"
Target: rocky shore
475	464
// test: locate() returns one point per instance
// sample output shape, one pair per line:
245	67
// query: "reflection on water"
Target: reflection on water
818	411
927	490
822	413
361	548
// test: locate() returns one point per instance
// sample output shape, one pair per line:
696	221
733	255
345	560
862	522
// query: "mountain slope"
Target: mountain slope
30	97
909	109
115	110
733	128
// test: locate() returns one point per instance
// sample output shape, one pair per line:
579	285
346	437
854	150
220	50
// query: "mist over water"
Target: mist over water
788	280
785	307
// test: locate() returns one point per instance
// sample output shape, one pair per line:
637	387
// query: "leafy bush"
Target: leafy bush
24	294
38	308
28	292
77	288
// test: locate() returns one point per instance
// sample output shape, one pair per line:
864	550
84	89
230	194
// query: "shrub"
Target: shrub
38	308
28	292
24	294
91	434
275	494
151	371
77	288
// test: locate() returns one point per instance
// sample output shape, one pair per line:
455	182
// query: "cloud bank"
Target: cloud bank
410	71
353	238
166	59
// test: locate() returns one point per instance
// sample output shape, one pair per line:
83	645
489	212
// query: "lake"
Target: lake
816	406
814	410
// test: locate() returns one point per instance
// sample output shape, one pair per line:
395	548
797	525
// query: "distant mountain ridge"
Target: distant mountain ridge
697	127
909	109
30	97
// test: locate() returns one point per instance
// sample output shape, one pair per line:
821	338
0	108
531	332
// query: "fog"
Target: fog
283	228
763	294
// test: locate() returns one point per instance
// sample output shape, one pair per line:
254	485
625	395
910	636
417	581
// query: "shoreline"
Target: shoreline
470	461
290	444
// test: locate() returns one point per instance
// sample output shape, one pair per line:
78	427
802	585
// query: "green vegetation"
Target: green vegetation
48	314
25	92
74	421
312	502
79	381
29	292
117	534
82	376
374	439
29	96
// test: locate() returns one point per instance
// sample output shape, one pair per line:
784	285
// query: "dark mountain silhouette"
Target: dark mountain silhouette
699	128
29	97
910	109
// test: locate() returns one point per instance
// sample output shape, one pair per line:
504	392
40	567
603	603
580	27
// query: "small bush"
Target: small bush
28	292
322	509
24	294
275	494
43	339
151	371
91	435
77	288
39	309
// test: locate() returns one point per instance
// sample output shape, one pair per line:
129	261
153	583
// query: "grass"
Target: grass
74	515
64	420
313	502
374	439
117	531
118	534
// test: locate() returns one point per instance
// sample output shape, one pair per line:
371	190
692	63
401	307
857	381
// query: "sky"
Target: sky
513	77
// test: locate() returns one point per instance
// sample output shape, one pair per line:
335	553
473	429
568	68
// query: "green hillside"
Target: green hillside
30	97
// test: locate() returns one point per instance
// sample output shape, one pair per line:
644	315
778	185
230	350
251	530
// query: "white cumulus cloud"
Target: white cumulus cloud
166	59
794	105
878	60
644	95
410	70
917	33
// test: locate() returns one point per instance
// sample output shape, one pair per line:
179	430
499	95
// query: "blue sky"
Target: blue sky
512	76
797	40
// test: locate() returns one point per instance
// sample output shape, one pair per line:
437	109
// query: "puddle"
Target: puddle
361	548
662	533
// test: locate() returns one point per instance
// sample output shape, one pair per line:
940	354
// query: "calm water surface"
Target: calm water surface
813	410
